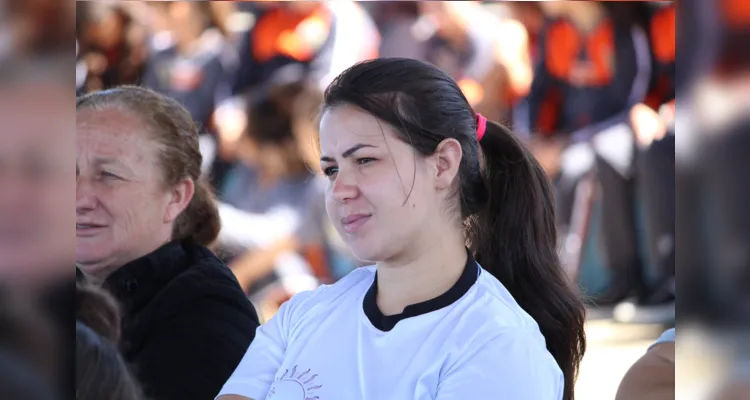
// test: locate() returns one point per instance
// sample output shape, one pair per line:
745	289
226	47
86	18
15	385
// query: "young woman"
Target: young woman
466	299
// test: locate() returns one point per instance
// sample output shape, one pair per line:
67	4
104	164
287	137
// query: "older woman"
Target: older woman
143	221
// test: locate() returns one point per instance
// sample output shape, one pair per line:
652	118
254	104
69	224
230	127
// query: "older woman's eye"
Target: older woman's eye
365	160
109	175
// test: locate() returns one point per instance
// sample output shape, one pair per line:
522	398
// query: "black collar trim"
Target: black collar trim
386	322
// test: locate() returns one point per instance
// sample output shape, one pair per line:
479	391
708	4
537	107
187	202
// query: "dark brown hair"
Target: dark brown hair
504	196
179	155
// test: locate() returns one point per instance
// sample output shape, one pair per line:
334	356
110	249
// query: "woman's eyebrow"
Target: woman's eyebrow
348	153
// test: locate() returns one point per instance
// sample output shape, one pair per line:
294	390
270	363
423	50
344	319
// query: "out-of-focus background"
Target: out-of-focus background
591	86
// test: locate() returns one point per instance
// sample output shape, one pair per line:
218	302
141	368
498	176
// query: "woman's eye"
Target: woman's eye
110	175
365	160
330	171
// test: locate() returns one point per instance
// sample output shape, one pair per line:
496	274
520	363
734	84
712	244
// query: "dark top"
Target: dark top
187	323
560	104
194	80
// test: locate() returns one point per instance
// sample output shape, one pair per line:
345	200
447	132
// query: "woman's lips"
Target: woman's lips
83	230
353	223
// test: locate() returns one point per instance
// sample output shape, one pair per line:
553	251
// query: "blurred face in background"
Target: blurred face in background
379	196
36	181
107	31
185	22
123	211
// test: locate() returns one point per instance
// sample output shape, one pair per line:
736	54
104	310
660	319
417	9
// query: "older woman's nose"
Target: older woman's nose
85	196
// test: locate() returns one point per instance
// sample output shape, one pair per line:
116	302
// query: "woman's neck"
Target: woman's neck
422	275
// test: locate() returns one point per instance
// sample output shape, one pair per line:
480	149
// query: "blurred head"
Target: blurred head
36	169
187	20
100	371
399	146
139	180
99	310
269	142
103	25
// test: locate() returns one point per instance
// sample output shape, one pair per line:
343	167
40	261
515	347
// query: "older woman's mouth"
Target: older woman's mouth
88	229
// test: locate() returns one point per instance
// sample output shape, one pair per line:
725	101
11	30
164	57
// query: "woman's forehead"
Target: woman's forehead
110	125
345	124
113	136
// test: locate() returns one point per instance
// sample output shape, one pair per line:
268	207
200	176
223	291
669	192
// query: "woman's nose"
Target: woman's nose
85	195
344	188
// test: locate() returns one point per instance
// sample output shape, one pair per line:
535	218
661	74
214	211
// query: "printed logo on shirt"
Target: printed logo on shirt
294	386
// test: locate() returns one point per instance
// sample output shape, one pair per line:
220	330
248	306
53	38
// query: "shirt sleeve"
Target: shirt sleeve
254	375
509	366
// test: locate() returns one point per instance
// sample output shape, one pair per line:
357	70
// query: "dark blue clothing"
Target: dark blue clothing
197	81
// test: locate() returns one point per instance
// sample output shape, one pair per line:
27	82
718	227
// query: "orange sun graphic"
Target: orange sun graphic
293	386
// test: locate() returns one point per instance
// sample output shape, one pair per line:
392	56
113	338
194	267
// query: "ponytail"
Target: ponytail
200	222
513	236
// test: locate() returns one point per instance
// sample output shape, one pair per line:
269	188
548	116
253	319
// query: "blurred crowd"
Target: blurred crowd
592	87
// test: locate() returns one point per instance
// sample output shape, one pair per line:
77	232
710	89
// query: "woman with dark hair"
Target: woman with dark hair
466	299
145	219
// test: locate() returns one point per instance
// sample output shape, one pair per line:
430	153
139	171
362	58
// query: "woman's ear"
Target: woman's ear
447	158
179	198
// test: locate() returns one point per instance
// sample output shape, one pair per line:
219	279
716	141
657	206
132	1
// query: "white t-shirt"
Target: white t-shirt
473	342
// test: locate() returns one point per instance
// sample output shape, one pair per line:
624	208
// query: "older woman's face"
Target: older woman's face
122	206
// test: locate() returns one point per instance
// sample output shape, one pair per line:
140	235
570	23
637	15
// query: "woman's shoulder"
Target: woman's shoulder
498	307
206	282
352	285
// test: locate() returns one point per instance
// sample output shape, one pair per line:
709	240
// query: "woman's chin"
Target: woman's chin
366	250
88	257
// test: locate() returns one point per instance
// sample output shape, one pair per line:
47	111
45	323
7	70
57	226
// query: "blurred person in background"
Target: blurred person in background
598	63
416	176
144	218
272	180
100	370
712	214
35	153
484	53
187	65
36	177
37	26
653	124
315	39
113	42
